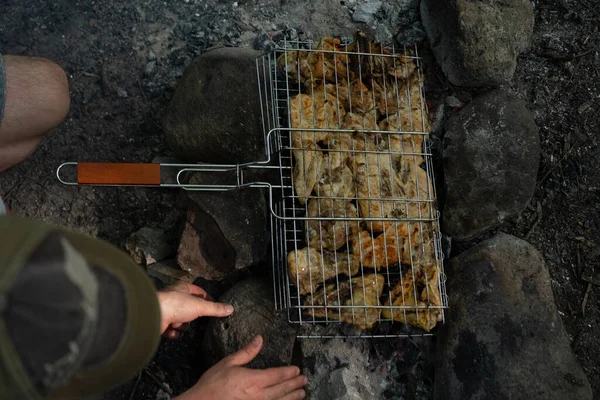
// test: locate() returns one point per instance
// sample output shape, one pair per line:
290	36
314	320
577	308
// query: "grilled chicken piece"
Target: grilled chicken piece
320	111
361	293
333	234
392	90
419	247
406	115
312	67
384	250
415	299
356	98
335	182
307	169
309	267
355	140
377	186
382	182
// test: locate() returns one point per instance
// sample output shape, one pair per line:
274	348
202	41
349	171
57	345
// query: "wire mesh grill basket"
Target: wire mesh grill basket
355	228
359	243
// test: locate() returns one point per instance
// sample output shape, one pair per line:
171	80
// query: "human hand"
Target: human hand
229	380
181	303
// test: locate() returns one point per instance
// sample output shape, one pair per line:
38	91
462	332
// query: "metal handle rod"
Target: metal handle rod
150	175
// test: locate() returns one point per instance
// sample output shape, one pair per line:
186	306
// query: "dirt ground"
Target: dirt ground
124	58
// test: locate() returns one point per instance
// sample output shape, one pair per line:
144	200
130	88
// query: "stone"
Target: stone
503	337
491	157
254	315
224	232
365	12
412	34
150	68
148	245
477	42
383	34
215	114
168	272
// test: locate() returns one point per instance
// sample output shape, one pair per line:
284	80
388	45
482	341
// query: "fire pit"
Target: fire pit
354	222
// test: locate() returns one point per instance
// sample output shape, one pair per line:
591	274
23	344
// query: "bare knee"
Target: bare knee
38	88
37	101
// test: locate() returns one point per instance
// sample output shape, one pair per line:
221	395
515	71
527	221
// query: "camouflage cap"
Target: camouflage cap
77	315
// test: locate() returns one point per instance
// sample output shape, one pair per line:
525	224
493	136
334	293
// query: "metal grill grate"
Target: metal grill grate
337	291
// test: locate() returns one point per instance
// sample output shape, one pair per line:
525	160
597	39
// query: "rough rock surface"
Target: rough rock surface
224	232
365	12
214	115
491	156
168	272
148	245
254	314
477	42
503	337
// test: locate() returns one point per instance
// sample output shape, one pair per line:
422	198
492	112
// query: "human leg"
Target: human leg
36	100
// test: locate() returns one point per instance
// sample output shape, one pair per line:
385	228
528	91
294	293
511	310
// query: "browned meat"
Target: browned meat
309	267
415	300
330	235
361	294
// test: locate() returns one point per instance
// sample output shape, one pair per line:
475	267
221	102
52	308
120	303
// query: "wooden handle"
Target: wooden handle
118	174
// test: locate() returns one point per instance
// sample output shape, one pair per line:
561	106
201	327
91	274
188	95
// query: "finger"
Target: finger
199	292
179	286
274	376
282	388
181	327
295	395
247	353
172	334
205	308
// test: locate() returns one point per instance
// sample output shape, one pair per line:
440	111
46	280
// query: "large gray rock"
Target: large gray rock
224	232
254	315
214	115
491	157
477	42
503	337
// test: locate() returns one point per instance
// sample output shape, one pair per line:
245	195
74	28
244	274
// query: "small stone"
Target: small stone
454	102
186	28
161	394
254	314
168	272
584	107
365	12
150	68
151	55
264	43
147	246
383	34
412	34
503	337
122	93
